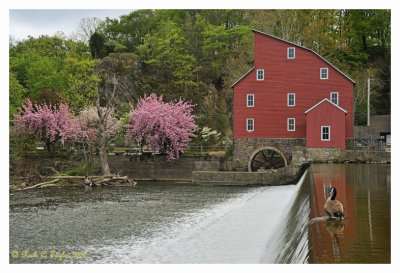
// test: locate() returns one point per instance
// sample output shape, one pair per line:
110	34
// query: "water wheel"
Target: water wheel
264	159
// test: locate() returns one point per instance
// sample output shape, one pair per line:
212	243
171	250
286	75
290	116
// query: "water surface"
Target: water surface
364	235
185	223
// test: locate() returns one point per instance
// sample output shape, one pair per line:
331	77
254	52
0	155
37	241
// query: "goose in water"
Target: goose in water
333	207
88	184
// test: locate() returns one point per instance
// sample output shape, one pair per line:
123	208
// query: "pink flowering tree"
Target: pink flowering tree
46	122
90	134
167	127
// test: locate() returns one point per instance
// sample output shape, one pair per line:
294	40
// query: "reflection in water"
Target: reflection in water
364	191
334	228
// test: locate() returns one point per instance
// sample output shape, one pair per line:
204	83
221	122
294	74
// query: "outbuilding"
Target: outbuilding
326	126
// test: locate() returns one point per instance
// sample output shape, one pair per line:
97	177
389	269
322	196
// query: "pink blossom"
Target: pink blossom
89	124
164	126
46	122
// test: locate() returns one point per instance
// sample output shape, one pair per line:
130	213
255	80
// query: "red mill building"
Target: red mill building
291	97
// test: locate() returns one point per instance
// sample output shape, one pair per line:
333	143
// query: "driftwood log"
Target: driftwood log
41	184
100	180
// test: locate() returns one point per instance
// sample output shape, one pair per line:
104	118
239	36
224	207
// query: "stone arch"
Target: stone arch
280	153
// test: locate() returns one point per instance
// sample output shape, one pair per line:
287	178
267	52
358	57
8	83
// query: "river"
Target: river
183	223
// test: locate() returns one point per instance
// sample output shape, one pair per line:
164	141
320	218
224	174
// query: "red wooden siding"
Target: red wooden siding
326	114
282	76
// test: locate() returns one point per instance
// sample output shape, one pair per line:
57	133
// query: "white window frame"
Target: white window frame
294	99
247	100
327	73
288	124
260	70
337	97
247	124
294	53
322	133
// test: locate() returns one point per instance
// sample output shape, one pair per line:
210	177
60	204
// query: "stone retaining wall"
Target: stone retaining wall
158	168
283	176
136	167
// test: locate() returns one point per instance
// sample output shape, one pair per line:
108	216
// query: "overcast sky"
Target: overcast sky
35	22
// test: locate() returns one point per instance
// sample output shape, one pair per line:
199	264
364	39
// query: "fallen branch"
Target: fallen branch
41	184
82	177
96	180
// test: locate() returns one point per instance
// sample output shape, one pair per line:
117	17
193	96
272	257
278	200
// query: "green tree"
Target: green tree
53	69
98	47
81	91
17	93
170	60
46	73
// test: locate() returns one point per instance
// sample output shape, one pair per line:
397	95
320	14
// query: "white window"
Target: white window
291	122
291	53
335	97
250	124
291	99
325	133
324	73
250	100
260	74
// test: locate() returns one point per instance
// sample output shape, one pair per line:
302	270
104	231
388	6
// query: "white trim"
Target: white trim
337	97
329	132
327	73
294	53
294	124
247	100
308	50
262	75
322	102
251	69
294	99
247	124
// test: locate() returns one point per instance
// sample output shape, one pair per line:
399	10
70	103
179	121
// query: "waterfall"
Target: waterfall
291	235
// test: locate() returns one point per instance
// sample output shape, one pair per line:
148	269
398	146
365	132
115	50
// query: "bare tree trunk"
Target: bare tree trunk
102	139
86	159
103	150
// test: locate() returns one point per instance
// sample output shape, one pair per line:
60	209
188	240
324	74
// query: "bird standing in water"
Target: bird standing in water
88	184
333	207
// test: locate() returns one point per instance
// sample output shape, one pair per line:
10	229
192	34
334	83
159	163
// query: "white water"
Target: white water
240	230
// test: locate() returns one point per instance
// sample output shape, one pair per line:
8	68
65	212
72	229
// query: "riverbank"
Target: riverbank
35	169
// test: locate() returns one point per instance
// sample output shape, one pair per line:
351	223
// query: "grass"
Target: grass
78	171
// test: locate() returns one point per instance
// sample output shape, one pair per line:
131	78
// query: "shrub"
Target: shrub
78	171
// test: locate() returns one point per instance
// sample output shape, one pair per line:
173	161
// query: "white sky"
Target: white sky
36	22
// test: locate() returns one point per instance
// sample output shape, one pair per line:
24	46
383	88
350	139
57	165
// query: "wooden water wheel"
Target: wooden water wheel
265	159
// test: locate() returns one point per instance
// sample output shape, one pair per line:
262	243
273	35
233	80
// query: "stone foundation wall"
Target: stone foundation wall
349	143
325	155
244	147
